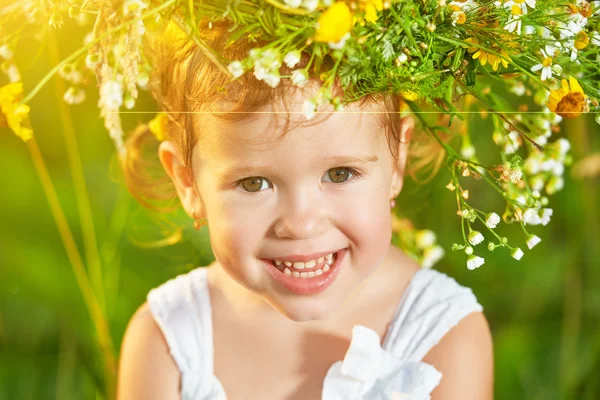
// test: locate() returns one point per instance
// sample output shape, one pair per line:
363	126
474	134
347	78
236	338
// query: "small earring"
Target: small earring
392	203
197	225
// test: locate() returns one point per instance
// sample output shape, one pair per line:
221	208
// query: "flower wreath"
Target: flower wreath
435	53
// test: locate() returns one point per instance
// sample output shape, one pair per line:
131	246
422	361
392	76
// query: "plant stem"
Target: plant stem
92	254
98	318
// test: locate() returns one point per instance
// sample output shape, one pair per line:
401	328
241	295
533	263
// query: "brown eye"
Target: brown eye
338	175
253	184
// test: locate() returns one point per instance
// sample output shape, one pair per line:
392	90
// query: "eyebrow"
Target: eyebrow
342	160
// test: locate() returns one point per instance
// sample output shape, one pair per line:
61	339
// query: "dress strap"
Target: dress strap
181	308
432	304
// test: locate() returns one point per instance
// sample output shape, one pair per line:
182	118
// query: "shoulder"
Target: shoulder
469	345
146	368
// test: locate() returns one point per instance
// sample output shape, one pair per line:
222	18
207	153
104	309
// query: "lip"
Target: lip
305	286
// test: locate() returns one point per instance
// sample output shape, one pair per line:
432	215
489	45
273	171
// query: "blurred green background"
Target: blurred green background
543	310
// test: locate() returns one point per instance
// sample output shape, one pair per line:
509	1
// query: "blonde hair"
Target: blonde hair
184	80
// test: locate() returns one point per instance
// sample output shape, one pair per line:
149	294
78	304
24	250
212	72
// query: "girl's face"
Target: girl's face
319	189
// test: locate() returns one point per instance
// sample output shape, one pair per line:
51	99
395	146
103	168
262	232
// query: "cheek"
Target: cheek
368	218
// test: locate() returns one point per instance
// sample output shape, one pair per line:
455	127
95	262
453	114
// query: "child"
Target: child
307	298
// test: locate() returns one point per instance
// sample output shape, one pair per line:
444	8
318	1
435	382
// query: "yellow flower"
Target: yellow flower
158	126
370	7
13	113
569	100
581	40
485	57
334	23
409	95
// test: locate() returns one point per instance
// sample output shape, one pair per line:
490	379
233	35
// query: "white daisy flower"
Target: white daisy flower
545	66
474	262
532	240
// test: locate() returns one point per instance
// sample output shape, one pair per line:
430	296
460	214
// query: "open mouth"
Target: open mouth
307	278
308	269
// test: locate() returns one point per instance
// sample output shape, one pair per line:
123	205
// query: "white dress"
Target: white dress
431	305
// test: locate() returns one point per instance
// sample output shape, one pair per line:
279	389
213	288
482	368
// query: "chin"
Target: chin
302	311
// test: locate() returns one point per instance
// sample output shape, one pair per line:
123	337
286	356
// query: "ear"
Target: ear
182	178
406	130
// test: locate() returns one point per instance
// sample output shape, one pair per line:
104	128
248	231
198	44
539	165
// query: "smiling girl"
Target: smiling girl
306	298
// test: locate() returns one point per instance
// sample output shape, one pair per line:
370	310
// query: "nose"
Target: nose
302	217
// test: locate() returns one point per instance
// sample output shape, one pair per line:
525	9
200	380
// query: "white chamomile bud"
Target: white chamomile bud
468	250
467	152
270	59
517	253
292	58
254	53
310	5
425	238
92	60
474	262
300	77
491	220
544	200
142	79
74	95
456	246
431	256
450	186
111	94
563	146
555	183
236	69
535	194
308	108
537	183
402	58
128	101
504	240
475	238
491	246
532	240
13	72
133	7
293	3
6	52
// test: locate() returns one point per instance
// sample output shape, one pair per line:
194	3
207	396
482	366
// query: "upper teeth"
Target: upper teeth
308	264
